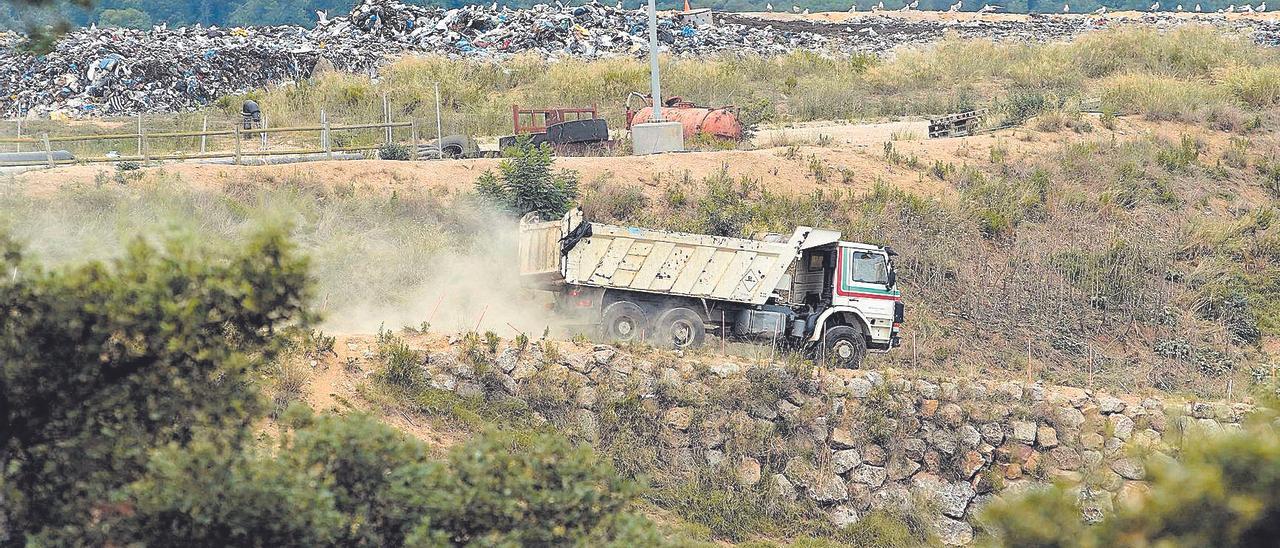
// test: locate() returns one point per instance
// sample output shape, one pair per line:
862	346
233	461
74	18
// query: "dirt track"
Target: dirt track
783	162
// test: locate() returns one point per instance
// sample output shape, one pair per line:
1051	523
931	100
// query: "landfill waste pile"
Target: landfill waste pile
115	71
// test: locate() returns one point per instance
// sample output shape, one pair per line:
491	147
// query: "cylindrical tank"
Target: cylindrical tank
717	122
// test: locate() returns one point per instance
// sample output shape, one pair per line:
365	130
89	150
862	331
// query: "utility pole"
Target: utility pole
655	85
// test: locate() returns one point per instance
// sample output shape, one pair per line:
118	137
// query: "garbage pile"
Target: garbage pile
112	71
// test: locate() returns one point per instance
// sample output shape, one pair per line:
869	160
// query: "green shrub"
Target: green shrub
401	365
393	151
525	183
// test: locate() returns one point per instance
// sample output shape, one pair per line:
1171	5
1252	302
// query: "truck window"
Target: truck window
870	268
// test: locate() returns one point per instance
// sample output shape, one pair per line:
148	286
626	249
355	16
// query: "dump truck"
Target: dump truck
836	300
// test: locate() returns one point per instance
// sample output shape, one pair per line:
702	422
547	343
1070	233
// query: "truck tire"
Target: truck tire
623	321
844	347
681	328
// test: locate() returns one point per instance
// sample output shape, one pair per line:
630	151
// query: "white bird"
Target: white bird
322	16
805	12
1066	8
1246	8
795	9
988	8
853	8
1155	6
1262	6
1230	9
954	7
1178	8
1100	11
879	6
768	7
1197	8
493	7
619	6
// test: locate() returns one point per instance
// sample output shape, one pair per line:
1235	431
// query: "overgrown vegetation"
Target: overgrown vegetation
129	410
1221	491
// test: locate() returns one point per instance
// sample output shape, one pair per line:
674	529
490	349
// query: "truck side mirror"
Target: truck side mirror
893	278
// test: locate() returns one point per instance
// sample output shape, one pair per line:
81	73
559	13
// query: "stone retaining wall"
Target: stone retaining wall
849	441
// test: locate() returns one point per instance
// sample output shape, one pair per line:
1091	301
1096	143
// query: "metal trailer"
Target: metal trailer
959	124
809	290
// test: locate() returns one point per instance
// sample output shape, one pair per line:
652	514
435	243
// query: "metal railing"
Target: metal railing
238	152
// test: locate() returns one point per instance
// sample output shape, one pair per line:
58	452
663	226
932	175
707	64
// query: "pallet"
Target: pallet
958	124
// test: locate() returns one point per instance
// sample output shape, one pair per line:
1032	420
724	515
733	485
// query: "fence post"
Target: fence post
139	134
237	133
142	139
204	128
328	144
324	131
48	152
263	145
413	136
19	144
386	119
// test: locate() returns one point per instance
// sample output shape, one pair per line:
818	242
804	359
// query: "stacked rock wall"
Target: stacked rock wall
846	442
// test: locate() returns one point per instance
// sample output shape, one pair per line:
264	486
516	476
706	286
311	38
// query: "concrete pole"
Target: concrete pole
654	76
204	130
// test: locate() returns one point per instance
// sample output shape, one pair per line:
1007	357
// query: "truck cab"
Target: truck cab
848	293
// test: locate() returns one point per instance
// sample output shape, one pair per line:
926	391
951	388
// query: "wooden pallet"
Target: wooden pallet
956	125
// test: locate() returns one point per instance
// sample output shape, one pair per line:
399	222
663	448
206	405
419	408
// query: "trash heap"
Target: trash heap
112	71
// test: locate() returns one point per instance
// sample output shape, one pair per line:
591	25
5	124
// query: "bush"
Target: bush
393	151
401	365
1223	491
525	183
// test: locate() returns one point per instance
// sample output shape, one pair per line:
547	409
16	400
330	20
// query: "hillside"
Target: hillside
1091	283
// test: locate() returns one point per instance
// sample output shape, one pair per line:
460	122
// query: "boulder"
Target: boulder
1108	405
748	471
969	436
1129	468
901	469
952	532
843	515
951	415
845	460
1024	432
992	433
874	455
783	487
1121	426
841	438
868	475
913	449
970	463
1046	437
953	498
1065	458
858	388
828	488
677	418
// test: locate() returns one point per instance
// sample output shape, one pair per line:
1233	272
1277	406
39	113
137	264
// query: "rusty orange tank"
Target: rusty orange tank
717	122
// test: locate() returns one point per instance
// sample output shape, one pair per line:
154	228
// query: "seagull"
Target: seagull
1155	6
805	12
322	16
1230	9
1066	8
853	8
988	8
1179	8
1247	8
494	7
1197	8
619	6
768	8
954	7
795	9
1262	7
1100	11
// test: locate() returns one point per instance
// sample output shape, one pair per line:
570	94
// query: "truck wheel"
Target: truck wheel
623	321
681	328
844	347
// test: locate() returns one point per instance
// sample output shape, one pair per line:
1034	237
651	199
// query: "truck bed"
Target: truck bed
661	262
